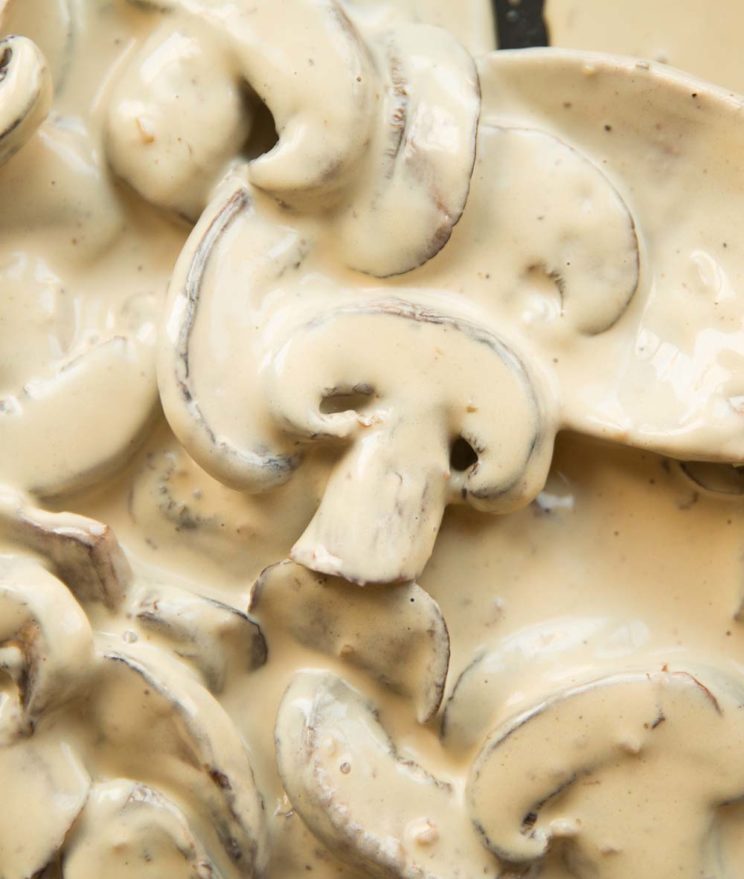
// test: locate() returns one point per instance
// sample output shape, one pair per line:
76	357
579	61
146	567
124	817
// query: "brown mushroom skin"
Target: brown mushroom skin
397	634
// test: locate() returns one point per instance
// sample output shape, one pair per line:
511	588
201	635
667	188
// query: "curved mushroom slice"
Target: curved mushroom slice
132	831
530	662
213	636
383	505
232	257
40	618
677	379
396	633
603	764
558	226
84	553
51	24
45	787
374	809
317	81
165	729
416	180
176	117
51	433
25	93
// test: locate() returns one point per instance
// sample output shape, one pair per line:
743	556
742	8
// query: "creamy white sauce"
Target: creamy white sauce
155	712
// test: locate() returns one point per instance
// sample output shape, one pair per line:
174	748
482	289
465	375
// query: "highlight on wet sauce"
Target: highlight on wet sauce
371	434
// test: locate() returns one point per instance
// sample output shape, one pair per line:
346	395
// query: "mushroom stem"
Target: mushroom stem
382	507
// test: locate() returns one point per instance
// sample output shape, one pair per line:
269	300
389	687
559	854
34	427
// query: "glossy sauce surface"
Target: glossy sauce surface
611	582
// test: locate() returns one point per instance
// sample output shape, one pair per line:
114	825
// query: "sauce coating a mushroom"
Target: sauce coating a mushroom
371	440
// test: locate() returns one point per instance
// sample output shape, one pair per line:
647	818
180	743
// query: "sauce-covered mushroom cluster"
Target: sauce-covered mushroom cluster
371	439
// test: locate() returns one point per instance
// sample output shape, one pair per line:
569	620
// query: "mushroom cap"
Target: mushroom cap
427	379
411	189
159	725
375	809
46	786
128	829
677	371
395	633
25	93
232	255
40	617
603	762
372	348
215	637
47	451
176	117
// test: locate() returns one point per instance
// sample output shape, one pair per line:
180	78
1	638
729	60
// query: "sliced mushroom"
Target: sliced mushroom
45	787
52	452
413	188
159	725
532	661
383	505
231	248
84	553
213	636
376	810
378	127
676	384
25	93
131	830
601	765
177	117
316	80
51	24
43	622
559	228
396	633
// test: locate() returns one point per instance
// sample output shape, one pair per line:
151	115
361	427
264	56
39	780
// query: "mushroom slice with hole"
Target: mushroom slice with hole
601	765
395	633
83	552
233	256
158	724
378	811
25	93
45	787
415	183
40	618
132	831
315	77
46	428
429	378
671	376
171	135
561	232
211	635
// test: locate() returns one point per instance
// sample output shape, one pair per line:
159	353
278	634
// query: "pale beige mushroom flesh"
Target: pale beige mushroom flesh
677	375
132	830
46	786
46	639
25	93
396	634
214	637
374	808
383	505
593	768
159	725
376	124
